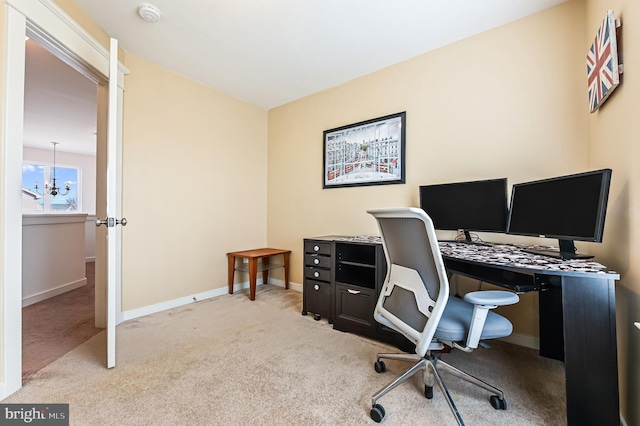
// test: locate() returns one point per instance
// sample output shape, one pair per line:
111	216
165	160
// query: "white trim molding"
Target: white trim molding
51	24
182	301
44	295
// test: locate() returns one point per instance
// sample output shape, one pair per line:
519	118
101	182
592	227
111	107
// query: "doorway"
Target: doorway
44	21
58	291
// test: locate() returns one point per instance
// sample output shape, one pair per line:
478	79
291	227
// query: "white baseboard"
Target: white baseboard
44	295
523	340
159	307
280	283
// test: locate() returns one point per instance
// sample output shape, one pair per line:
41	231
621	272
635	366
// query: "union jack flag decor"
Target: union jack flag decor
602	63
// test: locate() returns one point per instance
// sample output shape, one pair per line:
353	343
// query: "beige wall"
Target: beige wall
195	168
613	140
505	103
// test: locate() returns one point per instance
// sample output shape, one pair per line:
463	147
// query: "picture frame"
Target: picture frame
370	152
603	70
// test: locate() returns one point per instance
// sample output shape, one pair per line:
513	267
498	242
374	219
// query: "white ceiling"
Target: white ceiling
59	104
270	52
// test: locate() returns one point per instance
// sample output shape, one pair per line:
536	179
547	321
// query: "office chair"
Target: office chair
415	302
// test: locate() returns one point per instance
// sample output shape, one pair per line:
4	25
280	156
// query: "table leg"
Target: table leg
286	270
231	260
253	273
265	270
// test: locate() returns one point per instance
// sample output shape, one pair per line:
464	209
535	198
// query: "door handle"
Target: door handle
110	222
104	222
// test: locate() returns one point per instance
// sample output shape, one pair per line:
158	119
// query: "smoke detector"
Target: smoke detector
149	12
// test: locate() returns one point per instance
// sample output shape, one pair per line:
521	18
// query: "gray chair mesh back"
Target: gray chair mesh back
407	244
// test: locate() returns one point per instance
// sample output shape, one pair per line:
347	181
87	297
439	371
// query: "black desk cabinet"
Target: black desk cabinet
359	273
342	281
317	288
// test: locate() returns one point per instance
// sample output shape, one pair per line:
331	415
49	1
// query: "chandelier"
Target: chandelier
53	190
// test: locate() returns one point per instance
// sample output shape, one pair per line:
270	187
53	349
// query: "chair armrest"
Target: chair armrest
483	301
491	298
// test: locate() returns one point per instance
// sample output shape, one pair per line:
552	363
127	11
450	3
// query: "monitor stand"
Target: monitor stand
567	251
467	240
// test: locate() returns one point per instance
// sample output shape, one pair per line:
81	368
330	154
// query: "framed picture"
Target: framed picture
367	153
602	63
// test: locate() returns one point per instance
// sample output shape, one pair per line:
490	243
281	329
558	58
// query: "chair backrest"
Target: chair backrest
416	289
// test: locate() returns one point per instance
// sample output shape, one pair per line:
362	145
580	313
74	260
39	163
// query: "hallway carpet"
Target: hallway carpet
55	326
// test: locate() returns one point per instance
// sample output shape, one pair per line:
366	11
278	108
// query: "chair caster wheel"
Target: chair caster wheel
317	317
380	366
497	403
304	312
377	413
428	392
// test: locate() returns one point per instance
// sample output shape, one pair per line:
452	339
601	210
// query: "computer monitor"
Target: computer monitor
568	208
479	205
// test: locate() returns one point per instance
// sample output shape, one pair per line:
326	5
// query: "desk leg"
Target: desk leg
265	270
286	270
231	260
551	322
591	363
253	274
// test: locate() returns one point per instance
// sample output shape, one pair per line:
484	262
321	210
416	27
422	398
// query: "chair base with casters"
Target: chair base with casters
457	322
429	365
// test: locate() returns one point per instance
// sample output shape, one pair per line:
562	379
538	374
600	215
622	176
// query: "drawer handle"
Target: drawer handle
316	287
316	274
316	261
316	248
353	291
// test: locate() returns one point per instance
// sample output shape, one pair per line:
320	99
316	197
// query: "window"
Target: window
34	200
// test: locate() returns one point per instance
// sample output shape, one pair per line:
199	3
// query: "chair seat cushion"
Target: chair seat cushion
456	320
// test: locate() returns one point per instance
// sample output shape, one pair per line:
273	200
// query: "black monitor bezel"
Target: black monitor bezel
467	183
598	232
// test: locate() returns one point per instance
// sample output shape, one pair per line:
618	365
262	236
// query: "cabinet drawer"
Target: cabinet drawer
317	260
317	298
317	247
317	273
354	308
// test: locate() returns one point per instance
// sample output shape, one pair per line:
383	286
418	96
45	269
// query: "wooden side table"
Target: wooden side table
254	265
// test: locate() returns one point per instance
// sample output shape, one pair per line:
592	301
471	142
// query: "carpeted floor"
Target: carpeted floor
232	361
55	326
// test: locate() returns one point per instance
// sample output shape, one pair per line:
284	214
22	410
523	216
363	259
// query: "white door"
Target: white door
113	206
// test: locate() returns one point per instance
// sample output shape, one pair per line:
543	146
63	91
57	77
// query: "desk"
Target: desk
577	310
253	256
577	318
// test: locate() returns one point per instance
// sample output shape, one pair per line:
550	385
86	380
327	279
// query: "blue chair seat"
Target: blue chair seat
456	319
